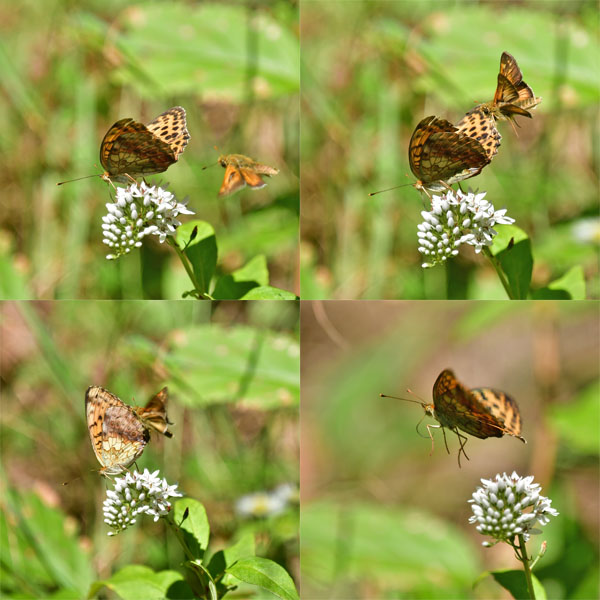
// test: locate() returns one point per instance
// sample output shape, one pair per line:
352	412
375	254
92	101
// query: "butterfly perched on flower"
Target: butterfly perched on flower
119	432
440	155
480	412
131	149
240	171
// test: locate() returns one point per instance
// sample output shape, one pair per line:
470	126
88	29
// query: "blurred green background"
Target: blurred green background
232	370
71	69
381	518
372	70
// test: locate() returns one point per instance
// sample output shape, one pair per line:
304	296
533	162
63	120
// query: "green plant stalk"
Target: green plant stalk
188	269
498	269
196	582
526	566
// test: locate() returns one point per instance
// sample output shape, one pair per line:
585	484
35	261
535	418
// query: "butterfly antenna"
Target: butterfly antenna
399	398
79	179
389	189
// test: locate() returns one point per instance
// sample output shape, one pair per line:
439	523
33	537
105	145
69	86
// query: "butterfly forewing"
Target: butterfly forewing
440	155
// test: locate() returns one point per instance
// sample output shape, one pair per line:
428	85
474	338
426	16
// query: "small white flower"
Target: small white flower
266	504
456	218
516	492
137	493
137	212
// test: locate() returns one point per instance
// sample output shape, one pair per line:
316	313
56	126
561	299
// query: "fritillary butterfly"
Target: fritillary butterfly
440	155
119	432
131	149
480	412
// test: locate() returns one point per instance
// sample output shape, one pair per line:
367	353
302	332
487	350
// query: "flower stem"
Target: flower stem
496	264
200	289
526	566
197	583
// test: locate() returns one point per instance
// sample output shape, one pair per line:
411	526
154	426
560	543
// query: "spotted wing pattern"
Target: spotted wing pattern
131	149
171	128
439	155
118	436
481	412
480	125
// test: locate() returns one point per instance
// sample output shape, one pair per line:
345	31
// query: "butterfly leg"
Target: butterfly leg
463	440
431	435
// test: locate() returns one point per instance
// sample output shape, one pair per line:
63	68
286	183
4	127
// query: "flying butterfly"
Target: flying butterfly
131	149
240	171
480	412
513	96
119	432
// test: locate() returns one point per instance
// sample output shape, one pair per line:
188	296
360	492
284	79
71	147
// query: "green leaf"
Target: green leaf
234	286
571	286
514	581
246	365
195	528
134	582
512	248
577	422
57	548
197	239
204	49
266	292
345	543
223	559
266	574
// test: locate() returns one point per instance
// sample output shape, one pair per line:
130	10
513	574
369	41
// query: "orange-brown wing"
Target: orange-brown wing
171	128
502	407
456	406
130	148
117	435
480	124
438	152
154	414
505	90
232	181
512	90
252	179
510	69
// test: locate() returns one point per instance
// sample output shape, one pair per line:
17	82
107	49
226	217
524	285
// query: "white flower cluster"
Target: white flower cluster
499	507
139	211
266	504
134	494
456	218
